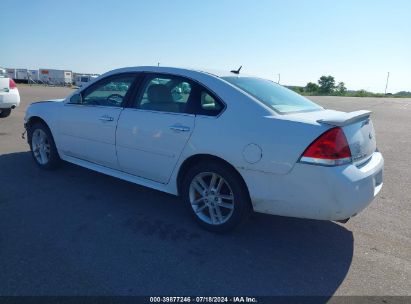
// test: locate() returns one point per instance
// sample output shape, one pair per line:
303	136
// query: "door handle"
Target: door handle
106	118
179	128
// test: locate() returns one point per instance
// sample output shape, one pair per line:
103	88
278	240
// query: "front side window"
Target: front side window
278	98
165	94
108	92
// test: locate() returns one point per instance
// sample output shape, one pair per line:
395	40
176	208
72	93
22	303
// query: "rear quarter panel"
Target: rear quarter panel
280	141
4	83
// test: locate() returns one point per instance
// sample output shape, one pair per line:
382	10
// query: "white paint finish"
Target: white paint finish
116	173
4	84
89	133
344	119
151	154
9	98
361	138
149	143
252	153
316	192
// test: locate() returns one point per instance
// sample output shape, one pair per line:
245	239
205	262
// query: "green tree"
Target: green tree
341	89
312	87
327	84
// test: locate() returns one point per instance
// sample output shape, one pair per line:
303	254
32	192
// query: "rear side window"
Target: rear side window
280	99
205	103
208	102
164	94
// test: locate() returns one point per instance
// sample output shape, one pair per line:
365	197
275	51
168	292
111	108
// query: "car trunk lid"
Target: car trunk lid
4	84
357	127
359	131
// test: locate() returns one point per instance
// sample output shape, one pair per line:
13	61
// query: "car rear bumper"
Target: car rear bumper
317	192
9	99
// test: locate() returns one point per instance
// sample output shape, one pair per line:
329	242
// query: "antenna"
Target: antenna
236	71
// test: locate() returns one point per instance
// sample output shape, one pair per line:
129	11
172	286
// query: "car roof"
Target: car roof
176	70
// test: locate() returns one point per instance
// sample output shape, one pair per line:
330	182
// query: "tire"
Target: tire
5	113
42	146
216	196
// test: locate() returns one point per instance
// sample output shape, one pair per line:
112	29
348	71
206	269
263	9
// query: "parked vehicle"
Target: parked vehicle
9	94
227	144
83	79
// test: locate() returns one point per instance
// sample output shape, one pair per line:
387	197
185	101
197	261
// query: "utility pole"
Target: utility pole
386	85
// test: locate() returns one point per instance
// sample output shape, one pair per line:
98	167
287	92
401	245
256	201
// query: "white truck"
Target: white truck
9	94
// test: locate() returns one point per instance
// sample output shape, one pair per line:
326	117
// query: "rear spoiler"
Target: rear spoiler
344	119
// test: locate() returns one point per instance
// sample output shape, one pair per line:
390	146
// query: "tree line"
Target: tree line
327	86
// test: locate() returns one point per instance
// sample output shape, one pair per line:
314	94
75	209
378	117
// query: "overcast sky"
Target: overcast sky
357	42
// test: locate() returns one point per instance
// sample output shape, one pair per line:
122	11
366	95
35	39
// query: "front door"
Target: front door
87	125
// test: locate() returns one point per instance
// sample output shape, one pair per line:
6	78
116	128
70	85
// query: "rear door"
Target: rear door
88	122
152	132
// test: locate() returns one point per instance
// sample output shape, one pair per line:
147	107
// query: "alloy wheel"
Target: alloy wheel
211	198
41	147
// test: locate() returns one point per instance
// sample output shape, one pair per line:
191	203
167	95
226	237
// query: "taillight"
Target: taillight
12	84
330	149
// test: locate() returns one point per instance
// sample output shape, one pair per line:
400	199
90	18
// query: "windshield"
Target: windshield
273	95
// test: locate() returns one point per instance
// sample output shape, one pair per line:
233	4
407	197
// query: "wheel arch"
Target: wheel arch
33	119
36	119
197	158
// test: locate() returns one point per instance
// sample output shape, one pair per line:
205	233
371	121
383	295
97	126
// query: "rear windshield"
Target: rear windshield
278	98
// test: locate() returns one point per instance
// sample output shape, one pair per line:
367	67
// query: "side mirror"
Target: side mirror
76	99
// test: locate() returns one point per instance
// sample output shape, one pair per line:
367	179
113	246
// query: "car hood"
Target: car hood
50	100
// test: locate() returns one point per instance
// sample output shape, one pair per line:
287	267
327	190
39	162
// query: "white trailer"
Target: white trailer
33	75
56	77
11	73
22	74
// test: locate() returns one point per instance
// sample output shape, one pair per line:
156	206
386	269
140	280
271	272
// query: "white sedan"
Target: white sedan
227	144
9	94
